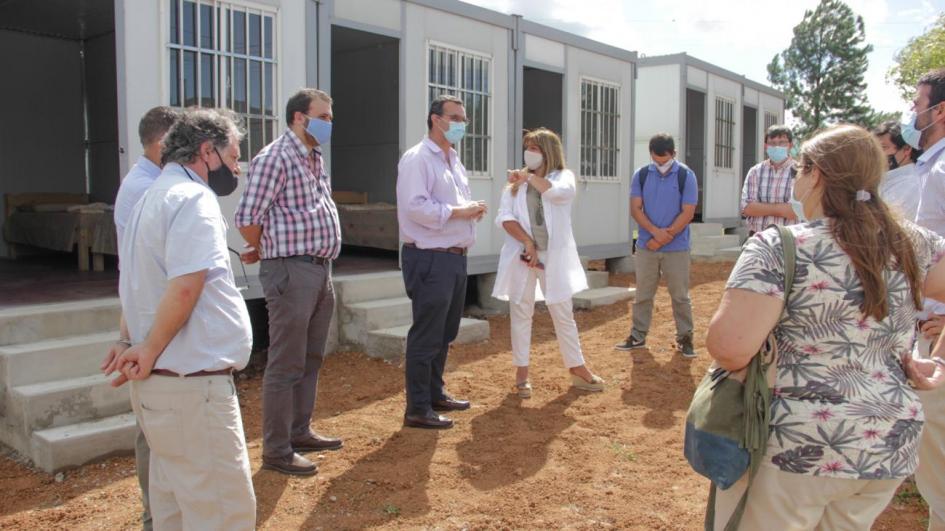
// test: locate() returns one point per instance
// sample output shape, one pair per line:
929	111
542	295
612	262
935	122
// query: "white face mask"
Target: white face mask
533	159
664	168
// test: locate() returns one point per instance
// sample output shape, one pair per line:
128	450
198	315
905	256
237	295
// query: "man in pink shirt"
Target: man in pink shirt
437	218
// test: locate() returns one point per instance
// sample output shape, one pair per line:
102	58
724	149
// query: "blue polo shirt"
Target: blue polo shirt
662	203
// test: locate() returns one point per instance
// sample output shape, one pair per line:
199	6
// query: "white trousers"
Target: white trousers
199	469
562	315
785	501
929	477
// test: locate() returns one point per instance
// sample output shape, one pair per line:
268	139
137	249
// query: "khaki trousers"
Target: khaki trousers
199	469
794	502
929	477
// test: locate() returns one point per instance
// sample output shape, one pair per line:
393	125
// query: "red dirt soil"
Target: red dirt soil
562	459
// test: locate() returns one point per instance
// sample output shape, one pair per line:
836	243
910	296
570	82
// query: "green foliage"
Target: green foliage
923	53
822	71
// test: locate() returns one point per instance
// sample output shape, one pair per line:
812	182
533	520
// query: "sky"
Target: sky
738	35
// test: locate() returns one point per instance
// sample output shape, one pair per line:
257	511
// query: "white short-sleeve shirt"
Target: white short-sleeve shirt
176	229
140	177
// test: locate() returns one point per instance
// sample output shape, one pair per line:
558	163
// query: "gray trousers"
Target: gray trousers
300	299
674	267
436	284
143	467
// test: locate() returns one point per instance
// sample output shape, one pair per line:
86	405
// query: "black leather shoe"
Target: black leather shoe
429	421
292	464
316	443
450	404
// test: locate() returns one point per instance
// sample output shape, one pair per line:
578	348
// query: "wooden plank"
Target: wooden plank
342	197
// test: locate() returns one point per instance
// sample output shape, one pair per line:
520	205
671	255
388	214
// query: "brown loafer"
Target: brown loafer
316	443
450	404
292	464
429	421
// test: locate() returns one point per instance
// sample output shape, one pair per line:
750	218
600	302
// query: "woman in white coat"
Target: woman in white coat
539	252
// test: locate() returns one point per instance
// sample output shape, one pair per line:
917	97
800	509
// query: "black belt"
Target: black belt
310	259
452	250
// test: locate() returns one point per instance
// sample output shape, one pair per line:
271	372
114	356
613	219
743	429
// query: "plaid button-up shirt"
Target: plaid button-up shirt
765	184
289	195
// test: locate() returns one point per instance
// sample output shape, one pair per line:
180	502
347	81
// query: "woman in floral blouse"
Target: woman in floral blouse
845	423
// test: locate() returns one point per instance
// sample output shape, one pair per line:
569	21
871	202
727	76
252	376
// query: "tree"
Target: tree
923	53
822	71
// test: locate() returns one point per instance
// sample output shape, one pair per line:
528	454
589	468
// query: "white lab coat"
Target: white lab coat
564	275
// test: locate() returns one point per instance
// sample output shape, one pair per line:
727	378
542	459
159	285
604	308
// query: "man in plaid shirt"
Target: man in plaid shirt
288	218
768	185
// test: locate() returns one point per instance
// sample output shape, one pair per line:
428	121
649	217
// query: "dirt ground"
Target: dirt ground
562	459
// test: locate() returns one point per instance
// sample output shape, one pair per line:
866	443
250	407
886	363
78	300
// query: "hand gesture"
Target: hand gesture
653	245
531	253
250	255
933	326
662	236
924	373
517	176
109	364
135	363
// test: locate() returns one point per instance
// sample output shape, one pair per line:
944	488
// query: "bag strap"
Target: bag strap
789	249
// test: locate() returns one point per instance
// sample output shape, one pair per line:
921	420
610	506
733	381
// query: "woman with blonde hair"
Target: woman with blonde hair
535	213
844	422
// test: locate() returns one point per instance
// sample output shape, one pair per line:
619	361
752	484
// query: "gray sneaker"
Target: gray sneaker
631	343
684	347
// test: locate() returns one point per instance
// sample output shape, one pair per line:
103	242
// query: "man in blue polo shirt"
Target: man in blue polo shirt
663	197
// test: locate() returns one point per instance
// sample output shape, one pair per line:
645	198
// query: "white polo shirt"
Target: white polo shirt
930	169
176	229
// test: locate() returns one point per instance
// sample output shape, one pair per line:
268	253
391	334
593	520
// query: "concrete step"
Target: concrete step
52	359
52	404
705	244
728	254
359	318
28	324
77	444
741	231
706	229
391	343
598	279
350	289
593	298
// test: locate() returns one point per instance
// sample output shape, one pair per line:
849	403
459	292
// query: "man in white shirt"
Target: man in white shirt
151	130
189	330
927	131
900	188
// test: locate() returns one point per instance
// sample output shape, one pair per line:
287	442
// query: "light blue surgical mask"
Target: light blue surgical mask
797	205
910	134
456	132
777	154
319	129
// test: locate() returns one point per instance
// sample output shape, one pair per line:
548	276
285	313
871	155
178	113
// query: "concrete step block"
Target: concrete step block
623	264
52	404
707	244
598	279
728	254
593	298
706	229
359	318
74	445
350	289
52	359
391	343
741	231
39	322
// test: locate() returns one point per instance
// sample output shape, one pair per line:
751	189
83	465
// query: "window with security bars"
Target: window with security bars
600	118
222	54
724	133
467	76
770	119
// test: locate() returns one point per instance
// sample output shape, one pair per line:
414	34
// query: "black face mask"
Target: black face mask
221	180
893	163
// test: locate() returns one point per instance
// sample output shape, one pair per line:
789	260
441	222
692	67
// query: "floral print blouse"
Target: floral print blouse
841	405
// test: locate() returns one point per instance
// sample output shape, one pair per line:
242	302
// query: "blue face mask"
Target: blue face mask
319	129
910	134
777	154
797	205
456	132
